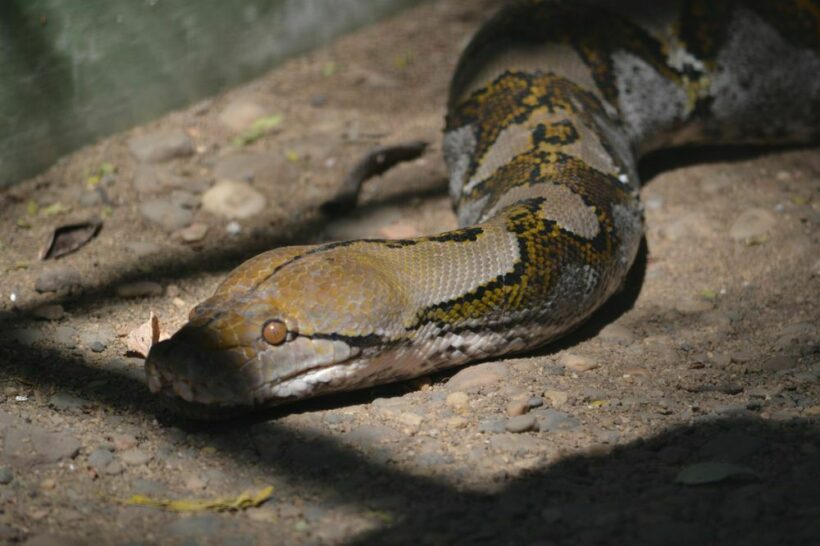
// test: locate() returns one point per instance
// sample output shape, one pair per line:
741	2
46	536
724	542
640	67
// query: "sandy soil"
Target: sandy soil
710	355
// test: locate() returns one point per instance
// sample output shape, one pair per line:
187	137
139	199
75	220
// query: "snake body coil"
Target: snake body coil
550	107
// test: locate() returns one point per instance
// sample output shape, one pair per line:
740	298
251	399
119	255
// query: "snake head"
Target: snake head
286	325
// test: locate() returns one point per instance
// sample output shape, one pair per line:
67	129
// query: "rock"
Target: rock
233	228
458	400
27	336
66	336
240	113
58	278
535	402
114	468
517	407
160	146
140	289
156	179
556	398
123	442
194	482
617	333
520	423
412	420
193	233
6	475
99	459
233	199
778	363
752	225
185	199
478	376
135	457
167	215
550	420
52	311
141	249
97	340
63	401
35	445
577	363
493	425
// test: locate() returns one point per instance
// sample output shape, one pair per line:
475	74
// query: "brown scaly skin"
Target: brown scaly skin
550	107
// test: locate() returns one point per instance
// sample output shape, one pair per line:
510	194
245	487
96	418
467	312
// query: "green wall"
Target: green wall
73	71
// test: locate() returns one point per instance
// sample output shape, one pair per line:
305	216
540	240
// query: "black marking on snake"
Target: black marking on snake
362	342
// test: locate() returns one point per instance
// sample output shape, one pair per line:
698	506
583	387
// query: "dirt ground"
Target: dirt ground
685	412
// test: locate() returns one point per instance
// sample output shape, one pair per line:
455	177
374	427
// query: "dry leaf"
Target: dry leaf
68	238
143	337
247	499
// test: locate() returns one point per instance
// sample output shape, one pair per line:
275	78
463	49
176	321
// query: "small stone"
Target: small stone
240	113
123	442
50	447
184	199
520	423
156	179
58	278
140	289
494	425
6	475
617	333
233	199
741	356
317	101
51	311
135	457
691	305
752	225
63	401
577	363
193	482
141	249
48	484
160	146
517	408
99	459
194	233
556	398
778	363
233	228
169	216
97	340
535	402
114	468
478	376
458	400
410	419
550	420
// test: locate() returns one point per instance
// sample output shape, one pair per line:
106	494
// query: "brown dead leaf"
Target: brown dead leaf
67	238
140	340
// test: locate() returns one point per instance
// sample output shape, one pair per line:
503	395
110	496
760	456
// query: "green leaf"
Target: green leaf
258	129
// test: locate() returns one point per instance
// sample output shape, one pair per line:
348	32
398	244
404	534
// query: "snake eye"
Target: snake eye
275	332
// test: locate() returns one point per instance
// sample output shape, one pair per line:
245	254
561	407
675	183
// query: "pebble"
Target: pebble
140	289
6	475
557	398
517	408
35	445
778	363
752	225
160	146
99	459
194	482
97	340
27	336
155	179
135	457
58	278
473	378
617	333
240	113
51	311
458	400
114	468
233	228
194	233
169	216
123	442
741	356
551	420
520	423
65	336
64	401
184	199
141	249
233	199
493	425
577	363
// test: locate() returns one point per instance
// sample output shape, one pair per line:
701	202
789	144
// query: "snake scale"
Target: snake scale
551	105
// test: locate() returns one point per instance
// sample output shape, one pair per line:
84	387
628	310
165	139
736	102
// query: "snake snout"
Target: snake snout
178	367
